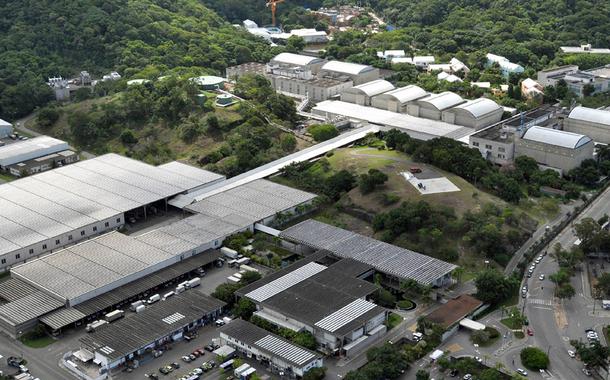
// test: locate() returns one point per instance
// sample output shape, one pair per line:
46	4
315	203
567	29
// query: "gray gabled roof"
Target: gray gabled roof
386	258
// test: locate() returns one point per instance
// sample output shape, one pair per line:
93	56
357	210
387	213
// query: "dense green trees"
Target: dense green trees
323	132
385	362
43	39
369	181
493	287
534	358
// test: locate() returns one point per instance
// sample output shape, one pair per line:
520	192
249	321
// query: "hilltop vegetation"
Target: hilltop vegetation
40	39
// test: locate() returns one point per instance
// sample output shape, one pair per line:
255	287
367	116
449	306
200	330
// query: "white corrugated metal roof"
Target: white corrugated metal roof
286	281
405	94
591	115
478	107
4	123
295	59
285	350
373	88
345	315
346	67
32	148
444	100
555	137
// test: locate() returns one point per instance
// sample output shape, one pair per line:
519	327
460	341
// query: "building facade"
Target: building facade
590	122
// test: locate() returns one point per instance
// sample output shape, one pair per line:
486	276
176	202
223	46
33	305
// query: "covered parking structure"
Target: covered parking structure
362	94
476	114
135	337
432	107
397	99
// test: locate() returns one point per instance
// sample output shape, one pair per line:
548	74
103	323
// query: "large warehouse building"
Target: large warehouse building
6	128
433	106
291	60
36	147
91	277
591	122
416	127
325	298
476	114
50	210
397	264
279	354
357	73
397	100
362	94
134	338
555	149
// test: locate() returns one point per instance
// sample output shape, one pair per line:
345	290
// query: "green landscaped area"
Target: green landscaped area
33	341
6	177
393	320
512	323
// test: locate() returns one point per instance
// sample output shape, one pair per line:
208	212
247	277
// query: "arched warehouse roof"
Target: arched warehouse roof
478	108
555	137
372	88
346	67
443	101
591	115
403	95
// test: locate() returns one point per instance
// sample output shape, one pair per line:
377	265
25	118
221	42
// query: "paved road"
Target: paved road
554	322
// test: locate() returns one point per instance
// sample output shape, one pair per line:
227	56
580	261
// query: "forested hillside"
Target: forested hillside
527	31
42	38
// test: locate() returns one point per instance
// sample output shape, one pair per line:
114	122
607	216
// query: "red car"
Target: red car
201	351
530	332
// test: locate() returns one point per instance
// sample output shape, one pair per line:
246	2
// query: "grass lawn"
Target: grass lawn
6	177
404	304
36	342
519	334
393	320
512	323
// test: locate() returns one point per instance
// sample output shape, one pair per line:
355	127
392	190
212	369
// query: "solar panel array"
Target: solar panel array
286	281
345	315
49	204
285	350
386	258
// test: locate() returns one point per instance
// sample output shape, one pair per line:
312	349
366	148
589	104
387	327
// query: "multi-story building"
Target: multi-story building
579	82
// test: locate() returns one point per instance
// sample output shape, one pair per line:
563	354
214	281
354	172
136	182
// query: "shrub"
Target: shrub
534	358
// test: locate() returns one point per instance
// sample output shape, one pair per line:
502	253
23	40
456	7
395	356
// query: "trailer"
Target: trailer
244	261
227	365
230	253
233	280
114	315
247	374
194	282
135	305
241	369
248	268
95	325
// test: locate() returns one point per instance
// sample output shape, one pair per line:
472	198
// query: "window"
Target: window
94	229
82	233
31	251
69	237
475	143
107	224
57	242
487	146
501	149
17	256
118	220
3	261
44	246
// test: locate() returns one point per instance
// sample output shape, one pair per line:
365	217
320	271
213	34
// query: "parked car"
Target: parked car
415	170
201	351
152	376
530	332
586	372
541	277
175	365
521	372
186	358
467	376
478	359
209	347
571	354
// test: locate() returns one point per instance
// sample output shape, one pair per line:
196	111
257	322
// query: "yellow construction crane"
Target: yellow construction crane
273	4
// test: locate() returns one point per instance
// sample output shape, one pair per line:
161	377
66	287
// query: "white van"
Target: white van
167	295
154	298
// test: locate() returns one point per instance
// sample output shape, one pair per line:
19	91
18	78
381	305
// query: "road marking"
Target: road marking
542	308
537	301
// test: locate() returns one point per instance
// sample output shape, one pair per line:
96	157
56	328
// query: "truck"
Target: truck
179	289
247	268
140	308
114	315
247	374
241	369
227	365
167	295
233	280
154	298
95	325
135	305
230	253
194	282
244	261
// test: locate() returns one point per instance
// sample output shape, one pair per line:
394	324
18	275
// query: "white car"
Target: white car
522	372
478	359
541	277
571	354
467	376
